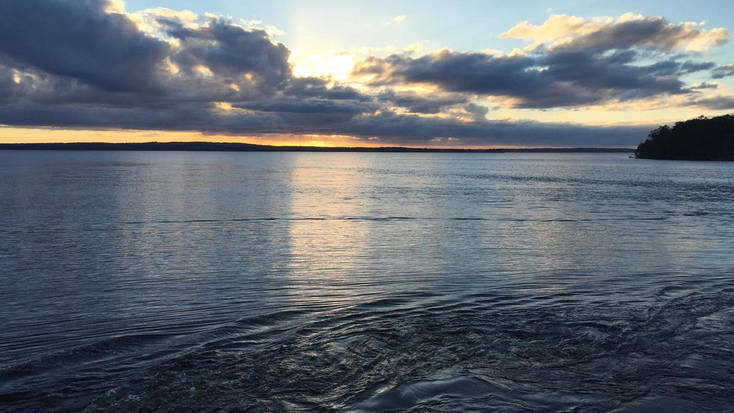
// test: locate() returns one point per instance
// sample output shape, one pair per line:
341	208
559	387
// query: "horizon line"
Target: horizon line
203	146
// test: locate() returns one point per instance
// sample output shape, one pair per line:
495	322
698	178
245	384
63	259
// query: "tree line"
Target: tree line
702	138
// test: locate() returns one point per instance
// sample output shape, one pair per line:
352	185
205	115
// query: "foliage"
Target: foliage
706	139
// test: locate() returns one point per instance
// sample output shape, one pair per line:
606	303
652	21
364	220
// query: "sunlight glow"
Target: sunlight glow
203	70
334	65
225	106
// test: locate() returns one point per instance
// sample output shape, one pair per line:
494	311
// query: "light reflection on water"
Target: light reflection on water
281	281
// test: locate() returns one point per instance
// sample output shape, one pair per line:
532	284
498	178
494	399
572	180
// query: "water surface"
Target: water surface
365	282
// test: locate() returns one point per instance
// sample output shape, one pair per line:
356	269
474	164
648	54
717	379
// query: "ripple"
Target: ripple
331	282
410	395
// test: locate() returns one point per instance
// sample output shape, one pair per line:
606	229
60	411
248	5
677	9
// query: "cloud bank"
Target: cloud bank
91	64
585	61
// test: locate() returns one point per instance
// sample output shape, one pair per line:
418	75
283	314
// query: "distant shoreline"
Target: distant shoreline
246	147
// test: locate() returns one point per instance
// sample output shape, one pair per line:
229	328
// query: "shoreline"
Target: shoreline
245	147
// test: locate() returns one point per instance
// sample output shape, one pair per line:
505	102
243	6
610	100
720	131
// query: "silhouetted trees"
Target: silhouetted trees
704	139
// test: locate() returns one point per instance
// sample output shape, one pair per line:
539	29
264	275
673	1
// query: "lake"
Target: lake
365	282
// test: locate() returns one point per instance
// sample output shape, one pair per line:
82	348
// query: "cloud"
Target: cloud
90	64
716	102
478	113
388	127
229	50
79	39
314	87
412	129
417	103
572	62
703	85
544	80
9	85
723	71
628	30
692	67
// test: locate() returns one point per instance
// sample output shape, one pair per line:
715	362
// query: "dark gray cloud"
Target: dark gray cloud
433	103
723	71
479	113
231	51
9	89
672	67
78	39
389	127
414	129
716	102
298	114
313	87
306	106
539	80
691	67
703	85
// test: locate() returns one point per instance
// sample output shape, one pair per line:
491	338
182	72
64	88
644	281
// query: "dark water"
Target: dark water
365	282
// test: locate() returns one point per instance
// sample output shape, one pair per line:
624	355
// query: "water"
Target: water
365	282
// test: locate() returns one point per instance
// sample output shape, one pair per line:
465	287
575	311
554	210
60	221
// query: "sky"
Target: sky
467	73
